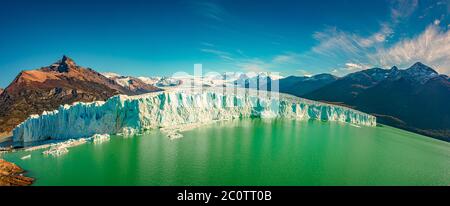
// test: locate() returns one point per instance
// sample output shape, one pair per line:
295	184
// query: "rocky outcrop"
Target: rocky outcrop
12	175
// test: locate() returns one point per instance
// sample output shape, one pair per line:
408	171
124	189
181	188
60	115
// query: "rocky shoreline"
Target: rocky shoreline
12	175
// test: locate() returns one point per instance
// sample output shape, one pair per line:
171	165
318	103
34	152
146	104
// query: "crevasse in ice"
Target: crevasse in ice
129	115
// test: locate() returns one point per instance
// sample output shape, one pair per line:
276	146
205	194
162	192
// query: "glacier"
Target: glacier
129	115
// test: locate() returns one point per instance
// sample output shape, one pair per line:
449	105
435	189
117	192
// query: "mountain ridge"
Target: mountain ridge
414	99
302	85
46	88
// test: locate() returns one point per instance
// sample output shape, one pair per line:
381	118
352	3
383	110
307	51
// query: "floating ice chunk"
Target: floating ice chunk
172	134
58	149
100	138
354	125
33	148
26	157
129	132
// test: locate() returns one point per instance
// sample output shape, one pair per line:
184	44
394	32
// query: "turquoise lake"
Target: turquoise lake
251	152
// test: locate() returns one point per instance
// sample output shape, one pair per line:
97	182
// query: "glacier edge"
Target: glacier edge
134	114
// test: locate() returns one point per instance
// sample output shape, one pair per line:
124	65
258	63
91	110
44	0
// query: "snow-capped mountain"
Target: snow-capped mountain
228	79
110	74
150	80
232	79
129	81
255	80
168	82
418	72
132	83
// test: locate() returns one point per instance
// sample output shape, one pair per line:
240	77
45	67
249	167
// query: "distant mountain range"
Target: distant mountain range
63	82
133	84
300	86
416	99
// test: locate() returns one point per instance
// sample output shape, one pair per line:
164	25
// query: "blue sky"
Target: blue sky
156	38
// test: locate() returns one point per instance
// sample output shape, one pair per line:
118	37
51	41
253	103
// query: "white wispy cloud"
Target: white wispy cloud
244	63
437	22
210	9
342	52
401	9
252	65
354	66
282	58
222	54
349	67
303	72
352	52
379	37
353	45
431	47
334	43
207	44
346	51
286	58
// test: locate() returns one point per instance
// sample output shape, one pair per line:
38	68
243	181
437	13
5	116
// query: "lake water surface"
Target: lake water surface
251	152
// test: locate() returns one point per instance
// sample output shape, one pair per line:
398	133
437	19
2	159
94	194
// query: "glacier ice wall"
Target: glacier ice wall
135	114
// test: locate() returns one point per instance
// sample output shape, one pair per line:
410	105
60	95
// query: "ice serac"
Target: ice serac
135	114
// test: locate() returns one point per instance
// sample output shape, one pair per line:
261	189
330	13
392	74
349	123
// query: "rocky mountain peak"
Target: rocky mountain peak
323	76
64	65
420	72
419	68
67	60
46	88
